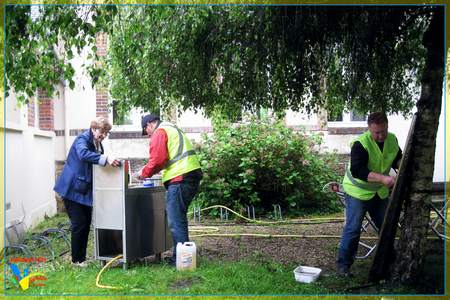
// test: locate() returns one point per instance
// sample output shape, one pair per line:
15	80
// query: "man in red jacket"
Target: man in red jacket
172	152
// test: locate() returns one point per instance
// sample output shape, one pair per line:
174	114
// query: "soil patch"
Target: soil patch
184	283
316	245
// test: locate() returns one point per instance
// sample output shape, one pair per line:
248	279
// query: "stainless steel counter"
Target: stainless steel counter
128	220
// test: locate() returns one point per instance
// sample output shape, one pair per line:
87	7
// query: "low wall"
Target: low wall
29	174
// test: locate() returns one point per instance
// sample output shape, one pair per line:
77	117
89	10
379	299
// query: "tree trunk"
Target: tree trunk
411	246
385	254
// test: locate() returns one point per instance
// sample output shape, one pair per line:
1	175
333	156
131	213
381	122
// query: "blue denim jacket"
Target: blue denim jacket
75	181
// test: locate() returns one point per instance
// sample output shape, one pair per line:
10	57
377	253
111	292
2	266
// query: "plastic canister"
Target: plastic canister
186	256
148	182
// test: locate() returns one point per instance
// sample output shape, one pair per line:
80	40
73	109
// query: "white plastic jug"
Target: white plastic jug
186	256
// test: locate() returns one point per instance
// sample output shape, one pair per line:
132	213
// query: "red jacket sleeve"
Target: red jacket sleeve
159	154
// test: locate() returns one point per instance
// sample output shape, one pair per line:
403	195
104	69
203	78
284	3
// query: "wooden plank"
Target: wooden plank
384	254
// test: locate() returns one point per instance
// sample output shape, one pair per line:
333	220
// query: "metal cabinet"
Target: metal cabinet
128	221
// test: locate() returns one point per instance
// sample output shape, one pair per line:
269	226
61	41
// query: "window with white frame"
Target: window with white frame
357	117
347	119
129	121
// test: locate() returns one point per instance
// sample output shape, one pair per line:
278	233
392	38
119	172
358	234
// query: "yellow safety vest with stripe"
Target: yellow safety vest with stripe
182	157
379	162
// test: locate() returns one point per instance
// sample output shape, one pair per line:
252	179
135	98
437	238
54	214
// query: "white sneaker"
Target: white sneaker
83	264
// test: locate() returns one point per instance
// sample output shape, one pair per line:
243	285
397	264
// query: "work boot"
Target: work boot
343	271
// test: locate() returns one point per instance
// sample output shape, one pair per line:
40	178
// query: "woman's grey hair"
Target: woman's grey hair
101	123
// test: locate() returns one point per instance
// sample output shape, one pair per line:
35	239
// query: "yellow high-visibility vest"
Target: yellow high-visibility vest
379	162
182	157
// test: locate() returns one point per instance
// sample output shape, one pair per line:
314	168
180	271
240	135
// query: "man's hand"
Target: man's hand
388	181
138	174
113	161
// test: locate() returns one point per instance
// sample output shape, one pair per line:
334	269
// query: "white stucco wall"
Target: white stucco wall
75	108
341	143
189	118
58	108
297	118
439	159
61	149
127	148
30	169
338	142
81	108
80	102
14	113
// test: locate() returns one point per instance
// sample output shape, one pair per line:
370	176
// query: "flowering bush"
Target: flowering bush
265	163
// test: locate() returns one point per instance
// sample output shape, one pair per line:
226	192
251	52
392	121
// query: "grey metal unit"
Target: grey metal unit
128	221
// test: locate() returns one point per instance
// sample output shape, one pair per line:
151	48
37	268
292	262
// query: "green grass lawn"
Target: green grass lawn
243	277
210	278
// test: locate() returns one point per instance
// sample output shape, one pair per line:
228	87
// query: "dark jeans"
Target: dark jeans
355	211
80	218
178	198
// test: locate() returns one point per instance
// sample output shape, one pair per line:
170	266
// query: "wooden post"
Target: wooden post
384	254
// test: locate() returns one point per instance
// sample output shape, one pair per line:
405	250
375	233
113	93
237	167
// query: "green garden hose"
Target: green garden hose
100	274
325	219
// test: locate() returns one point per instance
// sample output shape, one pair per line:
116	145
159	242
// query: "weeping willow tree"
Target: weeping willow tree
275	57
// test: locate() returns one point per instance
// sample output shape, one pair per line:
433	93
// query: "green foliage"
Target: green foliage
362	58
230	58
39	48
378	65
264	163
134	57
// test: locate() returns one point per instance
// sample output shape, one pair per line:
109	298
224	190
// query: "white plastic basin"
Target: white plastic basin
306	274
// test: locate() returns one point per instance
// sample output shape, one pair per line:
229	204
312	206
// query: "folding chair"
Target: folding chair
17	241
56	233
337	188
439	224
15	234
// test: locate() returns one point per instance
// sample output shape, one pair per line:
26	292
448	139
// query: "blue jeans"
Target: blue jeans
178	198
355	211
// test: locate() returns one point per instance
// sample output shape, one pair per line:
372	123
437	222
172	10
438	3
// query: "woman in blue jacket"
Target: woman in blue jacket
74	185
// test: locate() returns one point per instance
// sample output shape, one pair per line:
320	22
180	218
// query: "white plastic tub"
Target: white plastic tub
306	274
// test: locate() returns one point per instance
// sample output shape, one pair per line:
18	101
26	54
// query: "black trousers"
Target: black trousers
80	218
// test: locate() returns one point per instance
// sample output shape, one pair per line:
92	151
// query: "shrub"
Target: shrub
265	163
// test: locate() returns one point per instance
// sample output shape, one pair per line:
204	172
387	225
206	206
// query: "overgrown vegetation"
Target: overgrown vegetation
264	163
